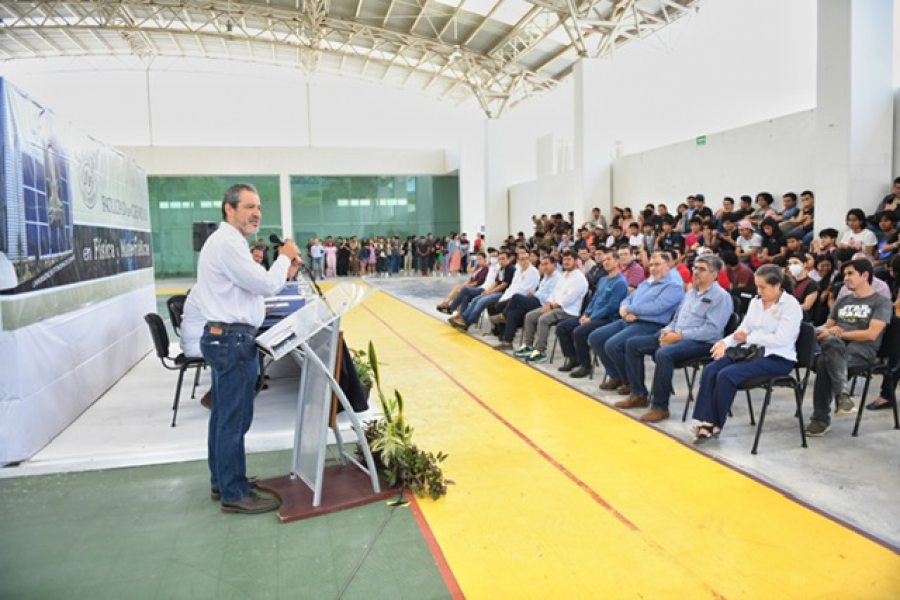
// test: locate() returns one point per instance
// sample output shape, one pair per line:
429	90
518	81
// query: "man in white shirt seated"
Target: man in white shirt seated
525	281
229	295
564	303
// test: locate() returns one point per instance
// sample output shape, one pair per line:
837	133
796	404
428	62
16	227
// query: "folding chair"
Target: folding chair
888	354
180	363
806	350
692	366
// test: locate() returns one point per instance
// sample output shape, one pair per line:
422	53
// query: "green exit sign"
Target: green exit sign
701	141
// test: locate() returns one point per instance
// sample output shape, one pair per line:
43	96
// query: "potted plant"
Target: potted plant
397	458
363	369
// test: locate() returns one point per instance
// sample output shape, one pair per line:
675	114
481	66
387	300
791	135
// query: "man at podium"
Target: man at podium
229	293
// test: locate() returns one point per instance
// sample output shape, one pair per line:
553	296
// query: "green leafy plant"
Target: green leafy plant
397	458
363	369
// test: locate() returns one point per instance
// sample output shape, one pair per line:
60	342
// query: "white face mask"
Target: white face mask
494	260
796	270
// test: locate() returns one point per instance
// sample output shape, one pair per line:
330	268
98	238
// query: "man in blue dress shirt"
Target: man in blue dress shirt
645	312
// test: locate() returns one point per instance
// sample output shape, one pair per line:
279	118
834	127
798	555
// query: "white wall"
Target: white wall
776	156
266	116
550	194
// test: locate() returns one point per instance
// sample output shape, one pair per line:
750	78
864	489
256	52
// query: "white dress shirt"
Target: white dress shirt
570	291
231	286
523	282
192	323
776	329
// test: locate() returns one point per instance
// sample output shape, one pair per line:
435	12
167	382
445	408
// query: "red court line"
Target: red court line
531	444
519	433
438	554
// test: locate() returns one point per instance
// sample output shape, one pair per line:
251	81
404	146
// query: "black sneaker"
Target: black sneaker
251	504
568	365
580	372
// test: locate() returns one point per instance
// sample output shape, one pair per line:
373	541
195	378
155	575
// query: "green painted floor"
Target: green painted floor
153	532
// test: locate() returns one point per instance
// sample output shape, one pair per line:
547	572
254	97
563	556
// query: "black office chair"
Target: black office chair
741	300
175	304
888	354
180	363
806	356
692	366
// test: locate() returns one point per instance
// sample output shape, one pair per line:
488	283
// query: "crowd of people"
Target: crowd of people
734	284
385	256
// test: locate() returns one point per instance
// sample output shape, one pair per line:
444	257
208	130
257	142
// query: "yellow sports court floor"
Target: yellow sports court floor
558	495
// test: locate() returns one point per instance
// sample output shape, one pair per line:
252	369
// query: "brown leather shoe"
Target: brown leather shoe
216	495
655	415
632	402
251	504
624	389
611	384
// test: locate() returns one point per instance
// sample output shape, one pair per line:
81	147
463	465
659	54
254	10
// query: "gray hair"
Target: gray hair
232	195
710	260
667	258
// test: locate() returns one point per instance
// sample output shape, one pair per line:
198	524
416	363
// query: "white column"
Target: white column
496	188
472	180
287	215
592	144
855	108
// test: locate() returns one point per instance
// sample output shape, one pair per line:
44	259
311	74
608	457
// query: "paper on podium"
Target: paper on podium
316	314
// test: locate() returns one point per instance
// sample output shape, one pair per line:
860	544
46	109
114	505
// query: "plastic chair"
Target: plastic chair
175	304
180	363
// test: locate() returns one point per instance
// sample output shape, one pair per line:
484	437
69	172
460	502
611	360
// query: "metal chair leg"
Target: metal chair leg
762	418
750	408
799	399
177	394
690	379
196	382
862	404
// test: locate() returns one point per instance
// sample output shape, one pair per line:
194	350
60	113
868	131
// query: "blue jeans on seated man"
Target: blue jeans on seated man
720	381
608	343
234	363
663	375
463	298
471	314
516	309
573	338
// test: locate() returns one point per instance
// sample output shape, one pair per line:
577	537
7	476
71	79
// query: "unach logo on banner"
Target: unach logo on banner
89	181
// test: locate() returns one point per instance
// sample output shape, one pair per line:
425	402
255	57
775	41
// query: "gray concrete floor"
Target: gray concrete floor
856	480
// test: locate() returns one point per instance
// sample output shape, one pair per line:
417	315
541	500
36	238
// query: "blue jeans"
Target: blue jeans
472	313
573	338
232	357
720	381
516	309
639	346
463	298
608	343
318	267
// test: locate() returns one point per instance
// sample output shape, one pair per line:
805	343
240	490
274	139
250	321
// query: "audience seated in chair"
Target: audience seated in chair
850	338
602	309
564	302
772	323
643	313
521	304
699	322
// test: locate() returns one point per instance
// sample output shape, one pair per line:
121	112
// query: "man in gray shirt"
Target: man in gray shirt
698	324
851	337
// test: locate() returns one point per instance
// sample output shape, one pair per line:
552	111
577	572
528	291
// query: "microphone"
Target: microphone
312	278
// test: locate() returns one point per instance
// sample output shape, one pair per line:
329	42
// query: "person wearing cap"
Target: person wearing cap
748	242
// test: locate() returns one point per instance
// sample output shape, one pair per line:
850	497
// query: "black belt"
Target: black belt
233	327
